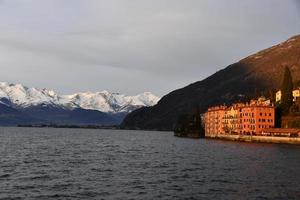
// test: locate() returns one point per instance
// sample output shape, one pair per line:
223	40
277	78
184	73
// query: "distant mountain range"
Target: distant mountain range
260	72
22	105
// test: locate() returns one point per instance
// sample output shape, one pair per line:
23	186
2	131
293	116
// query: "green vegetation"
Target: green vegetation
278	116
297	84
189	126
288	112
287	91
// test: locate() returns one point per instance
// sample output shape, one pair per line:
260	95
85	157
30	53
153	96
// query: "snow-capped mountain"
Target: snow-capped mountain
19	96
109	102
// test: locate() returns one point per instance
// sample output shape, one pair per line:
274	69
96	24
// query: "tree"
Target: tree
278	117
297	84
286	91
182	125
271	95
198	122
189	125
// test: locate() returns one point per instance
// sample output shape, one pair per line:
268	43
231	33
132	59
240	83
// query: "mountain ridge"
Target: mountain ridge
23	105
21	96
259	72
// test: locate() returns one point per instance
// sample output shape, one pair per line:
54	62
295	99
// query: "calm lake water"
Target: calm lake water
38	163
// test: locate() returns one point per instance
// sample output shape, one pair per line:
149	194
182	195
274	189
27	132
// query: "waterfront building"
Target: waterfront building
232	119
256	116
240	119
296	94
213	120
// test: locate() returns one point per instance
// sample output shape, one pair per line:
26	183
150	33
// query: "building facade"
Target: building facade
213	120
256	117
296	94
240	119
232	119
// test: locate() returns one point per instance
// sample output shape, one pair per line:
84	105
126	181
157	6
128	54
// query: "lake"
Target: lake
48	163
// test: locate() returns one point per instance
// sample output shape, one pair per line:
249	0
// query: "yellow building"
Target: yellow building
296	94
232	118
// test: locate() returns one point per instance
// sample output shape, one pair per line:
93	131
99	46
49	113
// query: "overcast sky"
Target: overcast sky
131	46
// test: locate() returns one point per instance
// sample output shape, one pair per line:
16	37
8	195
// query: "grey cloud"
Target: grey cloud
166	43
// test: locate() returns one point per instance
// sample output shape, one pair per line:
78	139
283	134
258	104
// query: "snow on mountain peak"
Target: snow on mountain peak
104	101
21	96
105	92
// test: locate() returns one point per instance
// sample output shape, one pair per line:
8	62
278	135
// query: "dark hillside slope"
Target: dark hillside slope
78	116
11	117
259	72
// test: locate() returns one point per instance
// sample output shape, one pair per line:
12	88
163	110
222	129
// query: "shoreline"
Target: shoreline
110	127
258	139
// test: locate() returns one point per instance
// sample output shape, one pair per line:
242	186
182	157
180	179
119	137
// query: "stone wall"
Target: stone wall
265	139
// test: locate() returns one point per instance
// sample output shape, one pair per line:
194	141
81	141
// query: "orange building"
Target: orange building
244	119
257	116
214	120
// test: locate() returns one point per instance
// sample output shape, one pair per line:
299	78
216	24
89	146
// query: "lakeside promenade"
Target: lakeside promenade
262	139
